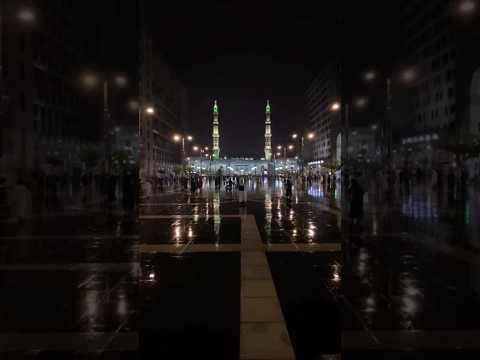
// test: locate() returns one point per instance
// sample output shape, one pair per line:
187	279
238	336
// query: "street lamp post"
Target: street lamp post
310	136
181	138
91	81
337	107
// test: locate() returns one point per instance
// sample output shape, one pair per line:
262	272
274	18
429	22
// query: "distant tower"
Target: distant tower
268	134
216	133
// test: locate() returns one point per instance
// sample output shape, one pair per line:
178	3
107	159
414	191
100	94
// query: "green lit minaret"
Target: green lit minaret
216	133
268	134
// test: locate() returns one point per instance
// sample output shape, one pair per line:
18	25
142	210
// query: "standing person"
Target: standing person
242	194
434	179
288	186
193	184
356	202
22	200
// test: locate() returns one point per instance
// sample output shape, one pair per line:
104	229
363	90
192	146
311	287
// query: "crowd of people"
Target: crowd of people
52	189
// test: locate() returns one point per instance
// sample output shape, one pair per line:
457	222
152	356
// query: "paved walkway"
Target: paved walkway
198	276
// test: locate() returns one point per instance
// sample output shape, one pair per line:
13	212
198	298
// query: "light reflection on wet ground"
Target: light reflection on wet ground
412	267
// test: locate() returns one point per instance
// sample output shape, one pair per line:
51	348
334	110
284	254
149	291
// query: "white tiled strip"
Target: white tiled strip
263	332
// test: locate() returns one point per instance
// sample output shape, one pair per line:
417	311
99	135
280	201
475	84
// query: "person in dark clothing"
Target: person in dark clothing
288	187
451	181
193	184
356	202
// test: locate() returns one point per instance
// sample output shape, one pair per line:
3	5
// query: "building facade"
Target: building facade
48	115
216	133
325	90
163	103
268	132
441	38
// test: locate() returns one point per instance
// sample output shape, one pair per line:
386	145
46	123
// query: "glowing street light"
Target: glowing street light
467	7
133	105
177	138
290	147
150	110
311	135
120	81
294	136
90	80
335	106
408	75
195	148
189	138
279	147
361	102
370	75
26	15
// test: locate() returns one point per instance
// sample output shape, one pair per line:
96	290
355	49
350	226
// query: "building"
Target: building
441	38
324	91
243	166
266	166
48	115
268	132
216	133
163	103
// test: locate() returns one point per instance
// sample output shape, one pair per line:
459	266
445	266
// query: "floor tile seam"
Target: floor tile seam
68	266
263	322
415	339
115	334
76	341
70	237
261	261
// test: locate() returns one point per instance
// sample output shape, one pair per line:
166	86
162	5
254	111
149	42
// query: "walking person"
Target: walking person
288	189
242	193
356	193
193	184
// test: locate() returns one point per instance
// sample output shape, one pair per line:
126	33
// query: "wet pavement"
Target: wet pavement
198	276
410	279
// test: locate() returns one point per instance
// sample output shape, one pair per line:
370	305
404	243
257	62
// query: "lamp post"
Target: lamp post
144	140
181	138
407	76
91	81
284	148
337	107
202	151
310	136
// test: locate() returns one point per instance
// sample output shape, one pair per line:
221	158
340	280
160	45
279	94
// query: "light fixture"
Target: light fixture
335	106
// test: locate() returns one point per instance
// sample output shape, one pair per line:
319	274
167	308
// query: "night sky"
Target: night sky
246	53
